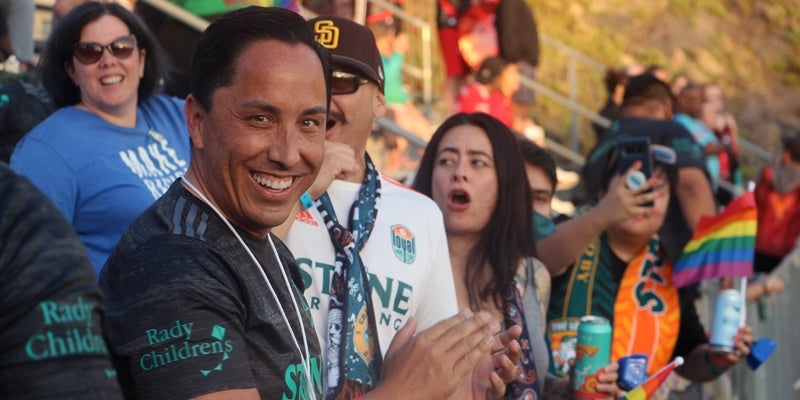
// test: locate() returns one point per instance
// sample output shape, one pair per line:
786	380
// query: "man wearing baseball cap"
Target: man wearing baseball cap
374	256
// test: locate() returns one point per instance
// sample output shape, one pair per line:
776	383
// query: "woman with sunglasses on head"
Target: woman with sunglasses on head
473	170
114	145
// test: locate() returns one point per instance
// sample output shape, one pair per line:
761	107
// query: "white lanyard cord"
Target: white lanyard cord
303	359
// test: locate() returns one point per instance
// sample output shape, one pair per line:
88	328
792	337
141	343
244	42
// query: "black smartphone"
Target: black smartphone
632	149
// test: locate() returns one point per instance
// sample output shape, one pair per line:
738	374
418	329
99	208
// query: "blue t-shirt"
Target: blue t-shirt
704	137
102	176
393	85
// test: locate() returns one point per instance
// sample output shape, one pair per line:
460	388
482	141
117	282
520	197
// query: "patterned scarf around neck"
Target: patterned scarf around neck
525	385
354	356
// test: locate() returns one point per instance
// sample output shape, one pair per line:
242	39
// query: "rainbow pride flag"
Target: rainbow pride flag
722	246
649	387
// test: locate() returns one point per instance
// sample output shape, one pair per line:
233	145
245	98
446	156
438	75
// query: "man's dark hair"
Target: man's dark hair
791	143
612	78
646	87
506	239
218	50
538	157
58	52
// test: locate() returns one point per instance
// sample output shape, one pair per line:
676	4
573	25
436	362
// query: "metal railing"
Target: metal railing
575	59
425	71
779	376
179	13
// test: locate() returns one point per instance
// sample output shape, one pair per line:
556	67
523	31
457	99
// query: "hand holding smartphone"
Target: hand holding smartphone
632	149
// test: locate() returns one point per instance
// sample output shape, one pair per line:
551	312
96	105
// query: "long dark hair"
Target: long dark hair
58	52
506	240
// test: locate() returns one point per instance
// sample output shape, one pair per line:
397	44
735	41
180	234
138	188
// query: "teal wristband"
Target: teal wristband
710	367
305	201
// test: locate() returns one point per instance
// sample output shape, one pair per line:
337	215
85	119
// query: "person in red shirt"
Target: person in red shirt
495	82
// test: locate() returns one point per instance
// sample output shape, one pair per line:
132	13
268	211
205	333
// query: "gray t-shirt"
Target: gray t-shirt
51	343
190	313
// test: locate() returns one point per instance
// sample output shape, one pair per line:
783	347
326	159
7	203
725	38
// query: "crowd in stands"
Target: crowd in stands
218	215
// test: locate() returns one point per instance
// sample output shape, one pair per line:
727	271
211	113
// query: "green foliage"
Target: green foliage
650	56
792	36
718	9
789	70
683	8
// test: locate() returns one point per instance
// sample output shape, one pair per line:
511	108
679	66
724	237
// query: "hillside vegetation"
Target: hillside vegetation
750	48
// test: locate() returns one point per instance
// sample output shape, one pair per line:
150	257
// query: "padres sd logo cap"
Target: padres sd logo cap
351	45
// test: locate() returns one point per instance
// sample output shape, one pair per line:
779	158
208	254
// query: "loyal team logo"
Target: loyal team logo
174	344
403	244
327	34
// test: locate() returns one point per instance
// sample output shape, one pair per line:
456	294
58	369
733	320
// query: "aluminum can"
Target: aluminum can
592	353
727	315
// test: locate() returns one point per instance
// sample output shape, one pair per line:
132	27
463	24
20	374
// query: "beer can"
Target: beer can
592	353
727	314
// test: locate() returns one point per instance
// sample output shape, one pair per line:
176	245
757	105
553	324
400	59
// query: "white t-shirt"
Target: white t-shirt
406	257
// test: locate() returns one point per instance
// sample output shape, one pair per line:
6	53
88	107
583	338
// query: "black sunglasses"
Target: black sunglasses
345	82
91	52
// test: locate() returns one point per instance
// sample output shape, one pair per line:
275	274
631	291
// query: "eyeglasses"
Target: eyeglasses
90	52
345	82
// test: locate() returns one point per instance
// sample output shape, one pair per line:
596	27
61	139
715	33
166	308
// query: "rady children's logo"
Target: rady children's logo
218	332
175	344
403	244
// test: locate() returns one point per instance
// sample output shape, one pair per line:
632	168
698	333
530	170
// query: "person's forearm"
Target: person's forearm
570	238
377	394
698	368
695	196
714	148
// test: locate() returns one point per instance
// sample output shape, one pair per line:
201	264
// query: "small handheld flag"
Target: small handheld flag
722	246
649	387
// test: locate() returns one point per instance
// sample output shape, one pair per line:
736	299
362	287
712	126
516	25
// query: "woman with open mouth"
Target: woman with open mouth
473	170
